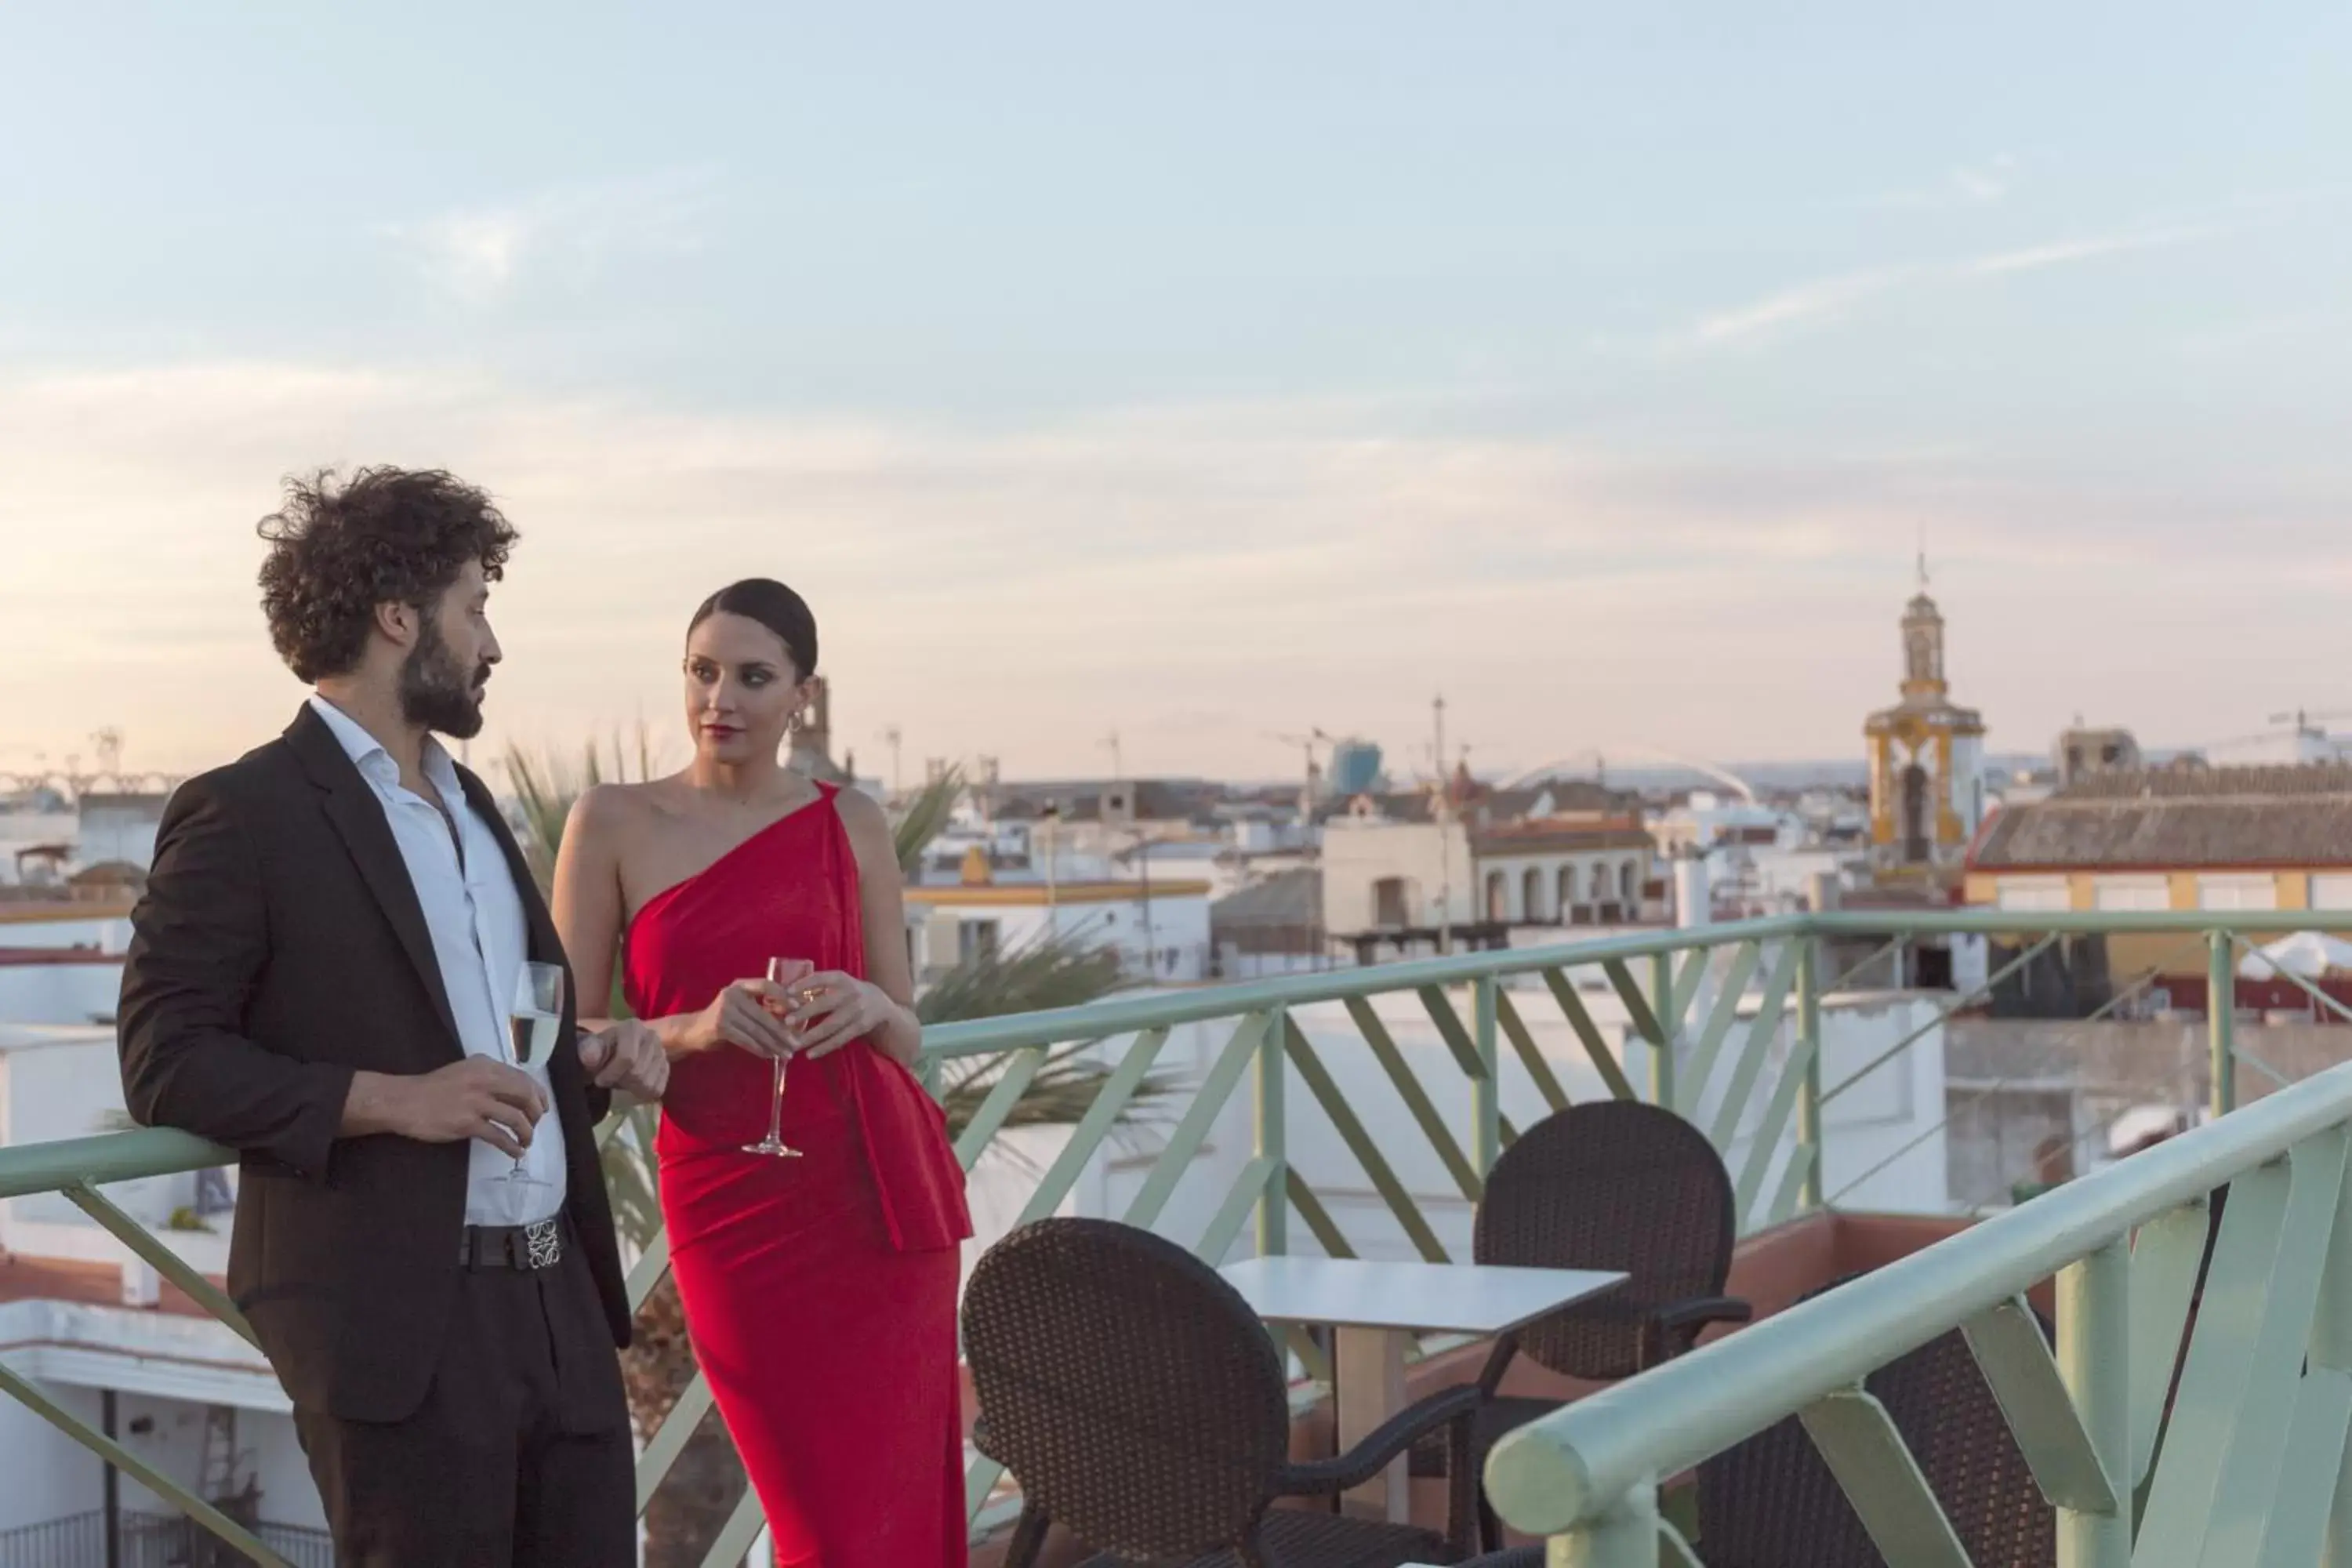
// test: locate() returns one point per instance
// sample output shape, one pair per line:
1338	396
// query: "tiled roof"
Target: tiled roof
1289	899
2184	818
1565	834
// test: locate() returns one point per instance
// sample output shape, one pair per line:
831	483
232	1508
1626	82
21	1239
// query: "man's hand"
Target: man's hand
627	1055
477	1098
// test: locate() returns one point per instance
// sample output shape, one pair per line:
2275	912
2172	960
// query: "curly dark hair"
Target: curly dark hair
389	536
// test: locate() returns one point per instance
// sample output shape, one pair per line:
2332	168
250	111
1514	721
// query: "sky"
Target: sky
1204	373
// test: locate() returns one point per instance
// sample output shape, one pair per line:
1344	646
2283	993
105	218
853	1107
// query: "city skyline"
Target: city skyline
1205	379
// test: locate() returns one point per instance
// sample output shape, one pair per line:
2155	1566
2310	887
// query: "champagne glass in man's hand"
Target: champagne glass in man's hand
531	1024
786	973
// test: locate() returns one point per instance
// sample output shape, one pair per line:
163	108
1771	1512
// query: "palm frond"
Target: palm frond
922	818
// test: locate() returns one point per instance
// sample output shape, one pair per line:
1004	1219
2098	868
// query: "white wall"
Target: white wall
64	1083
74	993
75	931
167	1368
1426	856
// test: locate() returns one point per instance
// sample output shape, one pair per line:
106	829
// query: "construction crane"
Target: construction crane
1305	743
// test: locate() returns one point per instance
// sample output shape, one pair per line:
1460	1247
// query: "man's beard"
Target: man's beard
434	691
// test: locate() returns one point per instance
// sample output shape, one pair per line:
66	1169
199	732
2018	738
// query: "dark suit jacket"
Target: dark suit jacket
279	948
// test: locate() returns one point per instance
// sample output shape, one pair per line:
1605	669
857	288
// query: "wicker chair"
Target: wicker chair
1141	1403
1771	1501
1612	1185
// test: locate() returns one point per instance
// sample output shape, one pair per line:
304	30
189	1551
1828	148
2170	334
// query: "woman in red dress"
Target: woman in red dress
819	1287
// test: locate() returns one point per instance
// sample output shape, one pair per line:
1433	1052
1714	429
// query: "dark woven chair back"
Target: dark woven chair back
1130	1391
1771	1502
1612	1185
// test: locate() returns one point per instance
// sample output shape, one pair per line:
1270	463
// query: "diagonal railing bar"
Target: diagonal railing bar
32	1397
151	1250
1789	1195
2187	1485
2312	1501
1225	1226
1770	1013
733	1541
677	1429
1674	1548
1689	980
1848	977
2016	1361
1416	1098
1320	1222
1523	1045
2249	1479
2278	1078
1360	1143
2295	1533
1021	1071
1094	1126
1217	1089
2279	971
1587	1033
2146	978
647	1272
2165	1260
1858	1441
1779	1111
1507	1130
1720	1017
1451	1029
1943	1016
1643	1017
977	1482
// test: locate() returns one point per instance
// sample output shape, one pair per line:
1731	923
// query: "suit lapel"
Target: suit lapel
358	817
545	947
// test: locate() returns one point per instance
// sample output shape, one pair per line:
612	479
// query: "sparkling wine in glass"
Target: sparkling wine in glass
532	1025
783	971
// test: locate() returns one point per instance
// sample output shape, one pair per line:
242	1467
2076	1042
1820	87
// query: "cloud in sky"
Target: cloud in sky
1827	299
1013	591
1968	185
478	255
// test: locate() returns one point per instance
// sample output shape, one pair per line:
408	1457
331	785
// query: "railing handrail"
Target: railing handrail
156	1151
49	1167
1567	1468
1166	1009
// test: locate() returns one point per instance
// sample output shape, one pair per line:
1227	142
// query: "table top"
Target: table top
1420	1298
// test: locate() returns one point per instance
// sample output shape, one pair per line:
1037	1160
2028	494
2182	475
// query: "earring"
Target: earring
796	724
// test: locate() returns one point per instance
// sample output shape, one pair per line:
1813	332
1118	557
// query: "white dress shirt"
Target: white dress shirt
480	939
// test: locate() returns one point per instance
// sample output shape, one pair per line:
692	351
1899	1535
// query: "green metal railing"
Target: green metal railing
1731	1017
2243	1464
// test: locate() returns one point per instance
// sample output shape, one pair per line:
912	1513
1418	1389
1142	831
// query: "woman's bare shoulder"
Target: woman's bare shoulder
618	814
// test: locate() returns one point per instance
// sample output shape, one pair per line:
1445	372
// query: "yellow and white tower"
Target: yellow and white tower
1927	755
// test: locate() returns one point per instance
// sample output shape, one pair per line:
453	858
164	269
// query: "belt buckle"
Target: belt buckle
543	1244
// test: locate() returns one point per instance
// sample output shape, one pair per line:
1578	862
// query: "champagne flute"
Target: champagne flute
532	1025
780	971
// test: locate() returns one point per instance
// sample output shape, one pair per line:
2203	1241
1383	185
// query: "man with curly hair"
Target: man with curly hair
321	977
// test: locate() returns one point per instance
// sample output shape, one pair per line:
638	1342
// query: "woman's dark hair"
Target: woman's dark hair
390	536
774	606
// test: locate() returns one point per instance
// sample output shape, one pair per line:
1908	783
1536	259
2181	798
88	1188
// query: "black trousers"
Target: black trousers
520	1454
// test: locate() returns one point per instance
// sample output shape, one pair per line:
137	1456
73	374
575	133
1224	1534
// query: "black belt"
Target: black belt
539	1245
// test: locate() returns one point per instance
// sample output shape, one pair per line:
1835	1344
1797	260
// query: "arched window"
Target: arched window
1600	884
1629	884
1498	897
1567	895
1532	896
